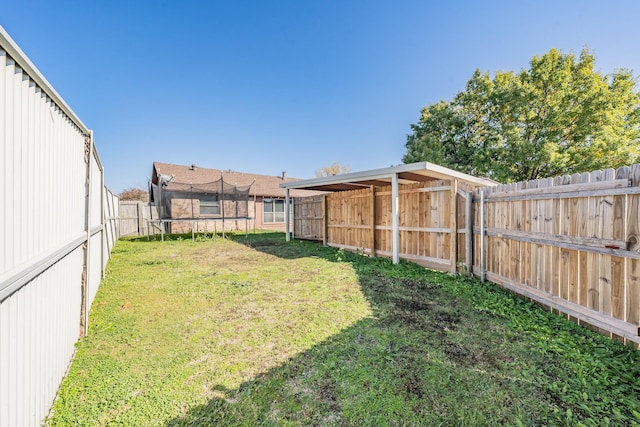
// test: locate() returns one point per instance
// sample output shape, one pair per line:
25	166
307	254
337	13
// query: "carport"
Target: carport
415	191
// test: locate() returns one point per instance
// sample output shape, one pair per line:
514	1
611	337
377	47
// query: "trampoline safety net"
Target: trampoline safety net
217	199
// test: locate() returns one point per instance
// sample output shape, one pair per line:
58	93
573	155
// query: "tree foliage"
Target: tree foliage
335	169
560	116
134	193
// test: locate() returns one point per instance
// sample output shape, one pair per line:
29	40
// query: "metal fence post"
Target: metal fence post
483	261
469	233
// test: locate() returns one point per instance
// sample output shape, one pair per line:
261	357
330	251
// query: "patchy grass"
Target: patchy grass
260	332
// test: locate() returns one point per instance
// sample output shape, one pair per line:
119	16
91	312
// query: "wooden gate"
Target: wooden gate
308	218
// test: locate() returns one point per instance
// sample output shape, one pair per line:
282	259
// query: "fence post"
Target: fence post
483	270
395	220
469	233
140	216
454	226
292	212
103	224
287	212
222	203
324	220
84	287
373	220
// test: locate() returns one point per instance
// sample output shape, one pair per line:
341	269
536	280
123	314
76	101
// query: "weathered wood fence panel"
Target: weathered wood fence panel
134	218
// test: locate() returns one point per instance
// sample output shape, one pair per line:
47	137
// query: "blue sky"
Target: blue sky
272	86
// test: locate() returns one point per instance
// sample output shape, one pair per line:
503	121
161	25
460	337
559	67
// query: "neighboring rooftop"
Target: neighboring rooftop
265	185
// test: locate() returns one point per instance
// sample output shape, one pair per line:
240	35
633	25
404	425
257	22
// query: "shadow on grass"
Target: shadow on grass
425	357
416	361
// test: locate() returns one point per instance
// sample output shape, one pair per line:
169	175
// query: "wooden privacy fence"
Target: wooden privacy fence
571	243
135	216
432	214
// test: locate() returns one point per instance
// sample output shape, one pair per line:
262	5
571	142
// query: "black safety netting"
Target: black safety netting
217	199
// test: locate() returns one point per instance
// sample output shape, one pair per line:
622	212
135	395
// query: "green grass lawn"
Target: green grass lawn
235	332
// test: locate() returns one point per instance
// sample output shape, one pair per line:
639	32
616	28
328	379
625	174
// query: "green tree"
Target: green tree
560	116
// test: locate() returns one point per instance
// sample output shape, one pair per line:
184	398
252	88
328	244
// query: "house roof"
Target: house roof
265	185
407	174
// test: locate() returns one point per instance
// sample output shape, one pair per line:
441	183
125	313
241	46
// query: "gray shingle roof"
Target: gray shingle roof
265	185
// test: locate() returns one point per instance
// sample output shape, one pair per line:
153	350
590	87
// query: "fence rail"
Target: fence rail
57	226
571	243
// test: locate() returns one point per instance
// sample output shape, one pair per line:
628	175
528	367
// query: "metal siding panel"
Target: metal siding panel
14	203
56	294
4	184
95	267
42	191
116	216
111	208
39	186
8	143
96	193
114	213
13	372
21	339
12	143
27	169
109	232
107	197
29	357
6	400
48	196
19	196
28	380
4	367
55	177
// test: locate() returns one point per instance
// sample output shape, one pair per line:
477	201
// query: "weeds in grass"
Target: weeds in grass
261	332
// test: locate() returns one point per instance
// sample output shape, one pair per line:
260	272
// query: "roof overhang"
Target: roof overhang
407	174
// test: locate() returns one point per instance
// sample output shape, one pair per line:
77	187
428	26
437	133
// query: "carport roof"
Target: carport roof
407	174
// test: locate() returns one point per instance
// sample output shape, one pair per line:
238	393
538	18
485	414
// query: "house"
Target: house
215	199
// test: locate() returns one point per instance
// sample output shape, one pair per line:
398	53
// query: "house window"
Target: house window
273	210
209	208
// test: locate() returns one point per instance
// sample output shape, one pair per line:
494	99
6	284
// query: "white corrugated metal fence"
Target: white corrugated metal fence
57	227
